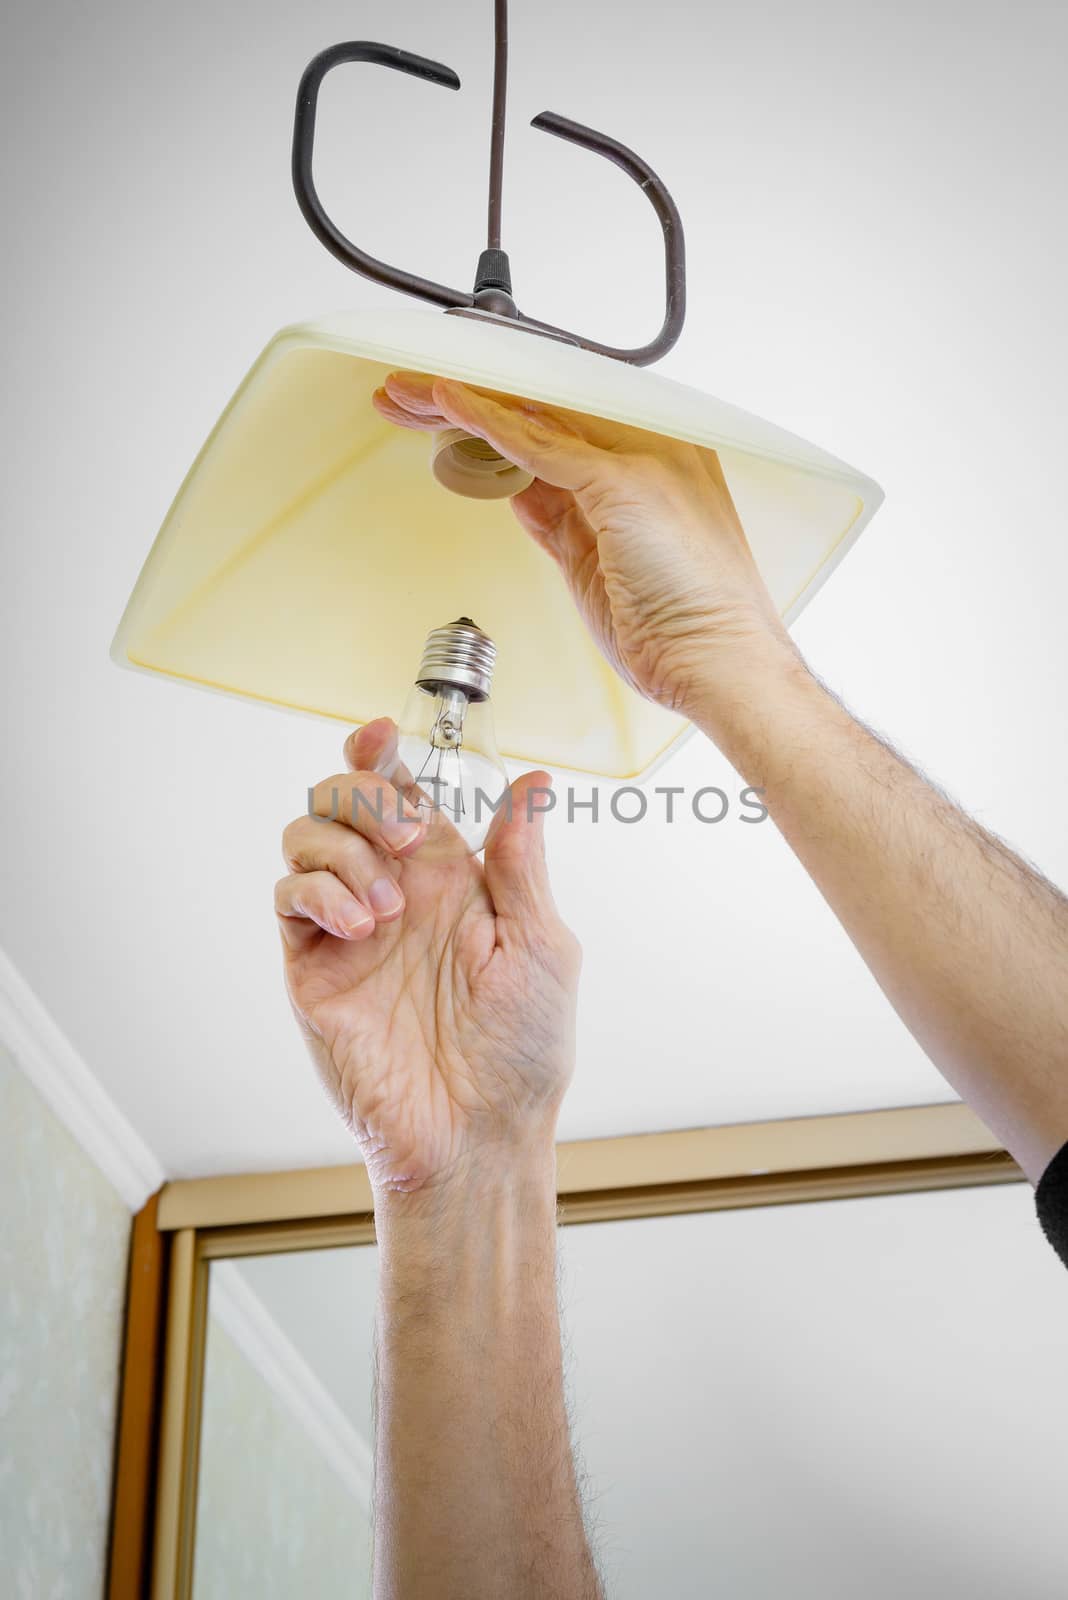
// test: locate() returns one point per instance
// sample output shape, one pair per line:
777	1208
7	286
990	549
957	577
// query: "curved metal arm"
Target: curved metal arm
549	122
670	222
383	55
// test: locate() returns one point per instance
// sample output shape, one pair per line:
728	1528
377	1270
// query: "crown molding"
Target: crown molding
70	1088
240	1311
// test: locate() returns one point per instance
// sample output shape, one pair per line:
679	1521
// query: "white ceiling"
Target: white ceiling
874	206
857	1398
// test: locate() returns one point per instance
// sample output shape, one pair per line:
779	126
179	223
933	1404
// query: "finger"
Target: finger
369	803
547	513
415	394
310	903
394	412
374	748
540	509
516	873
540	443
376	745
311	845
555	522
368	748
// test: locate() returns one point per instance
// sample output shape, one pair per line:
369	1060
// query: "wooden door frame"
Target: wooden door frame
192	1222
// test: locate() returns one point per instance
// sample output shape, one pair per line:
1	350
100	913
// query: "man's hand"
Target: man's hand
437	996
968	942
643	529
438	999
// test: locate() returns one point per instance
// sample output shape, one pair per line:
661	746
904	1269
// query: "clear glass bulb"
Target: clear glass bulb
446	744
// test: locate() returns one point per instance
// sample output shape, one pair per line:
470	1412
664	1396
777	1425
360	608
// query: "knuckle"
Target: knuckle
544	437
293	835
553	945
366	780
351	862
539	429
369	796
323	796
652	469
569	947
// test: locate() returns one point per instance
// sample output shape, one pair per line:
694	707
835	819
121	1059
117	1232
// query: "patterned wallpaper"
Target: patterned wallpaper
63	1249
274	1521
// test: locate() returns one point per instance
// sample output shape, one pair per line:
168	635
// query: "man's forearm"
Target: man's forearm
968	942
475	1489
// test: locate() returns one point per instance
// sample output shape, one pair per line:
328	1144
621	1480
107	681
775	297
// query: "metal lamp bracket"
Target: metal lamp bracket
492	295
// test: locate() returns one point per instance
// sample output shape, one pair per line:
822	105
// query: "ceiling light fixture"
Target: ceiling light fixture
313	545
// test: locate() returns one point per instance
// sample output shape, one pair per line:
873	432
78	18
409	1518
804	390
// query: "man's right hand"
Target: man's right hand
643	529
969	943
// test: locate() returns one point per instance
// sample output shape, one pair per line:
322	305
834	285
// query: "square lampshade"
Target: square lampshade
310	549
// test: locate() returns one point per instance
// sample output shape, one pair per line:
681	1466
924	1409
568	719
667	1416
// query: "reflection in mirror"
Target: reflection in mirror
284	1488
854	1398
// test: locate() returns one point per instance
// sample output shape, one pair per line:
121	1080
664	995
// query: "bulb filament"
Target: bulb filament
446	738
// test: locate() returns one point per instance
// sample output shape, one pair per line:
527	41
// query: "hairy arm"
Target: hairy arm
437	994
475	1488
968	942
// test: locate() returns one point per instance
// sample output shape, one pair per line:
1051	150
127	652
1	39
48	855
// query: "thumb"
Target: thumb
516	873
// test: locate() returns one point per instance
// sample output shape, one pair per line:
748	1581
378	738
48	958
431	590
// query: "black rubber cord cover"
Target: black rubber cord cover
493	272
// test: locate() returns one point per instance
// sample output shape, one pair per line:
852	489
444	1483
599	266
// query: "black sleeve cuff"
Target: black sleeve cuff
1051	1200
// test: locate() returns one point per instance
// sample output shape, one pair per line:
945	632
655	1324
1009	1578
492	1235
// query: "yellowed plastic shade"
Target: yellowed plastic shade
311	549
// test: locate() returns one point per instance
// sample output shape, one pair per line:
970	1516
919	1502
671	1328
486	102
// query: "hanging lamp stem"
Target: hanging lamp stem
493	280
500	95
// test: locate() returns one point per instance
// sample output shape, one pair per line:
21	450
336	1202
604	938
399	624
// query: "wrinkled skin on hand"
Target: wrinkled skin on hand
445	1024
642	528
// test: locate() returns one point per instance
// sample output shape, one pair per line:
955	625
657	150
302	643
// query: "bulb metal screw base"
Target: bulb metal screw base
458	656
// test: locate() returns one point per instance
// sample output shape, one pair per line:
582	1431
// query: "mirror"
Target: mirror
860	1397
284	1480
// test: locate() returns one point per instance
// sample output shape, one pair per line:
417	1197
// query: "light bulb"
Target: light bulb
446	745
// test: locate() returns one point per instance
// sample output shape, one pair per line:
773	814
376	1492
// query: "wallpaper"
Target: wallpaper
63	1249
274	1522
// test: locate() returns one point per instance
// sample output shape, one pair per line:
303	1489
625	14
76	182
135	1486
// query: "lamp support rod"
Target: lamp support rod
500	96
